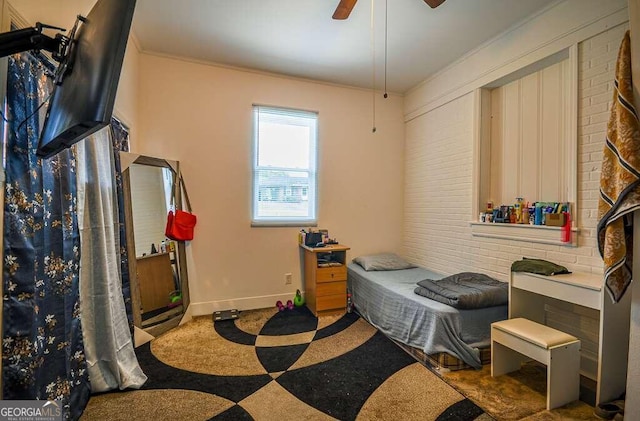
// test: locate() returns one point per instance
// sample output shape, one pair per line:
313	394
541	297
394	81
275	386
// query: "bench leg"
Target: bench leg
563	375
504	359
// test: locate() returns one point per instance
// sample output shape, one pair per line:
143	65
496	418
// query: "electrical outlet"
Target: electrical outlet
287	279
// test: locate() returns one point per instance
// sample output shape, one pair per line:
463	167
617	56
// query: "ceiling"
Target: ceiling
299	38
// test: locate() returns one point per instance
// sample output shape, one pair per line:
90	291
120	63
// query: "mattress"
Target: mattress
387	300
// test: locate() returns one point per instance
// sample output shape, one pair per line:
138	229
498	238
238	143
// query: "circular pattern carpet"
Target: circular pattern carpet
270	365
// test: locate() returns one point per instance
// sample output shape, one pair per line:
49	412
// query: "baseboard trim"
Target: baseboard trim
249	303
187	315
141	337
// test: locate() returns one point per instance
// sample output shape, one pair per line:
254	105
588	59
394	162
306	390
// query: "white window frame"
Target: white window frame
312	192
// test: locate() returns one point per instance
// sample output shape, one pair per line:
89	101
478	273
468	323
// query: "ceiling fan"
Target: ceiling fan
345	6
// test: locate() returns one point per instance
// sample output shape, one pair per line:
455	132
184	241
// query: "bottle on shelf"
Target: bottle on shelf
565	231
519	208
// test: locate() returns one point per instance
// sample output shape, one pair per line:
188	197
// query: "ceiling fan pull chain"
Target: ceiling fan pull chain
386	24
373	67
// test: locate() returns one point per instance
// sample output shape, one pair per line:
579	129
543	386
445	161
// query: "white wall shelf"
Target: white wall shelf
523	232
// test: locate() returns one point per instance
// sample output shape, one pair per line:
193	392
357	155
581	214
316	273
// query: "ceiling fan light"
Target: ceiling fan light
434	3
344	9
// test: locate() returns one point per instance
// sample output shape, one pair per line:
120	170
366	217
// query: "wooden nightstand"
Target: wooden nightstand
325	278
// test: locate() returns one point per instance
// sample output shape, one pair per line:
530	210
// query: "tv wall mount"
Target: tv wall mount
29	39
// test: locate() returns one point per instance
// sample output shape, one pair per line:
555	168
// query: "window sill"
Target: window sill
276	224
541	234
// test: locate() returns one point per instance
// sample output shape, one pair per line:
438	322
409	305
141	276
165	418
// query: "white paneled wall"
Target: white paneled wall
438	179
528	137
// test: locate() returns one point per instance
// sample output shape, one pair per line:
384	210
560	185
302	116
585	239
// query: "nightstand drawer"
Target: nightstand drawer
331	288
336	273
330	302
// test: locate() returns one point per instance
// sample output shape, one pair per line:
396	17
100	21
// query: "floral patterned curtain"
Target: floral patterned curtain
120	139
42	348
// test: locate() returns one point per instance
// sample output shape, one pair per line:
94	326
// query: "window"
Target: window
284	166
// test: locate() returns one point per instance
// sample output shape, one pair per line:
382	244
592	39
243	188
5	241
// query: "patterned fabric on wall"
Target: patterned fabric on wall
120	139
619	180
42	348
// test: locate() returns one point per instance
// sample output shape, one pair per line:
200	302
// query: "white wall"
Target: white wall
439	142
201	115
126	105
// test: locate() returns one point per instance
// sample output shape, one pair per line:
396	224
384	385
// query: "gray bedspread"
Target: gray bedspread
387	300
465	290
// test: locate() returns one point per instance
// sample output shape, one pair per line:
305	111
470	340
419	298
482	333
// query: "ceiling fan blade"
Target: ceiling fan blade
344	9
434	3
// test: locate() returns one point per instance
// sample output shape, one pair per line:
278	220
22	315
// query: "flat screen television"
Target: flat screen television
83	102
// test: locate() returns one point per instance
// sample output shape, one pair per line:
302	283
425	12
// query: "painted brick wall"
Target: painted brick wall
597	57
438	174
438	179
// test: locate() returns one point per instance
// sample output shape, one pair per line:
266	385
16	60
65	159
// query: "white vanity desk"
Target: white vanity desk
578	304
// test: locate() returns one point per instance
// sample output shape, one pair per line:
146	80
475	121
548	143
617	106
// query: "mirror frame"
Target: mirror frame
127	159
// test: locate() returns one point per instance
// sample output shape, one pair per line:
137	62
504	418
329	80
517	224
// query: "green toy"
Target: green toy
175	299
298	300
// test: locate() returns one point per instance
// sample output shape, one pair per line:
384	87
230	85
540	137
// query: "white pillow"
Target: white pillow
383	261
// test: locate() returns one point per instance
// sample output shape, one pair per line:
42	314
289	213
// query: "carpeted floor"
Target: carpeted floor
270	365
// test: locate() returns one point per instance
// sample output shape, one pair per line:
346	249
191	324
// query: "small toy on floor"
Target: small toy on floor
175	299
282	307
298	301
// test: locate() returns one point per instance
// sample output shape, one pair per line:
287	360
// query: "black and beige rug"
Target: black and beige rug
290	365
270	365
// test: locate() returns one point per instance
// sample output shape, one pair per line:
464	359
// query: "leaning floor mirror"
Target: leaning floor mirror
159	289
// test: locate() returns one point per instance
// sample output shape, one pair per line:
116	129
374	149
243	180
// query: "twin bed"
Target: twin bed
386	298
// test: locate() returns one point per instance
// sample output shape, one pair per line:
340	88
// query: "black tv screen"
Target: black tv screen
83	103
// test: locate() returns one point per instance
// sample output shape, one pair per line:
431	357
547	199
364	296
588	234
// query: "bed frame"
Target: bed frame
436	334
442	361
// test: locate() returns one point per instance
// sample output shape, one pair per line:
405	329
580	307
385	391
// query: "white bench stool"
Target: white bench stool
559	351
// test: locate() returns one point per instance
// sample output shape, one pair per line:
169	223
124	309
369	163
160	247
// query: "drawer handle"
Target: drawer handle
332	275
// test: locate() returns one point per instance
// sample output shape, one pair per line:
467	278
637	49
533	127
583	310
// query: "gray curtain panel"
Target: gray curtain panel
109	349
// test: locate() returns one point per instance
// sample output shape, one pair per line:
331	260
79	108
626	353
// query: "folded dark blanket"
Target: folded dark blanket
465	290
538	266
